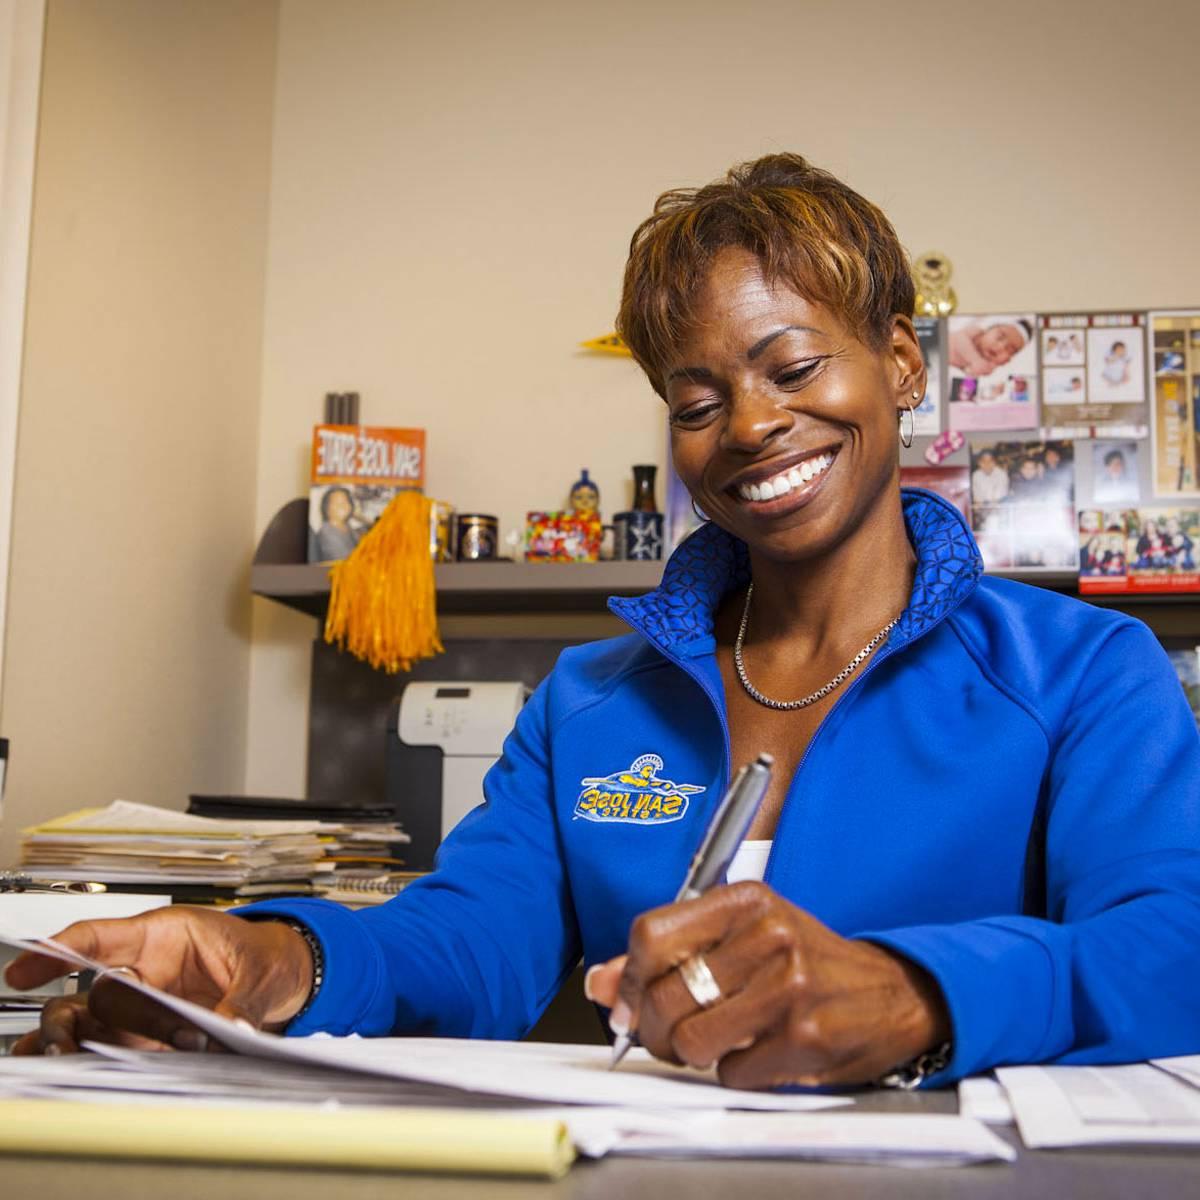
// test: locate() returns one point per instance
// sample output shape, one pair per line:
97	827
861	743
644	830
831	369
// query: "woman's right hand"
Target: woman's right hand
255	971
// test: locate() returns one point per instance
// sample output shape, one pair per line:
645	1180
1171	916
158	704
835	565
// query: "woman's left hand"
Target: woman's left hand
798	1005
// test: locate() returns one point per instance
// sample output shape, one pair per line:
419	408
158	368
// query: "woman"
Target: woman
972	859
337	536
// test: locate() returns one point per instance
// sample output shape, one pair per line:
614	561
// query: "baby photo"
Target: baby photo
1064	385
1116	365
1114	472
999	354
1062	347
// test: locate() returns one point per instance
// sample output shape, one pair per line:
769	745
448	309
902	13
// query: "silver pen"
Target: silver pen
725	833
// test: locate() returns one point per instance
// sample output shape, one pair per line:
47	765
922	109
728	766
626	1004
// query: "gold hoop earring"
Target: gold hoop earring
906	442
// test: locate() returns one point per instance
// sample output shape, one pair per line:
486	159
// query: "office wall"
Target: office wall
127	655
455	184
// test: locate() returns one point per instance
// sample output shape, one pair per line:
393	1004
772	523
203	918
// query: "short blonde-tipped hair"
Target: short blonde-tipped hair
807	229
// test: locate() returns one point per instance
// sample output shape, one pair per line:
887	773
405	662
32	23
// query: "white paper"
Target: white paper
119	1075
42	914
917	1140
982	1098
1092	1106
526	1070
644	1108
126	817
1186	1067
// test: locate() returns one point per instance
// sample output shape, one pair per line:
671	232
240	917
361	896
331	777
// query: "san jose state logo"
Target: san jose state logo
636	796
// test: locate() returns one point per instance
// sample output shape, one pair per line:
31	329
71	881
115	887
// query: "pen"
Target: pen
725	833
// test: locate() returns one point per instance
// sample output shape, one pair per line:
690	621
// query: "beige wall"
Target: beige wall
128	629
451	191
454	186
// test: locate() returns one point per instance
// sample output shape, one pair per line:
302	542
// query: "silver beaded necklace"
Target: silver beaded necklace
821	692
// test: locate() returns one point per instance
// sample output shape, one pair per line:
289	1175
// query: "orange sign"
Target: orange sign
368	455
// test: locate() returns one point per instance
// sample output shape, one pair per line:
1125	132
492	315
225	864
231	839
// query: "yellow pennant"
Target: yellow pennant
610	343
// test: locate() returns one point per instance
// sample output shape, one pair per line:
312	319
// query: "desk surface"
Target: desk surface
1036	1175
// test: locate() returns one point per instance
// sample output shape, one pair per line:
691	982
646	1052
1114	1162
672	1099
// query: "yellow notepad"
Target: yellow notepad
409	1139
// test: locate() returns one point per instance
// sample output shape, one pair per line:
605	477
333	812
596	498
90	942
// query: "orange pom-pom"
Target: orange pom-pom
382	603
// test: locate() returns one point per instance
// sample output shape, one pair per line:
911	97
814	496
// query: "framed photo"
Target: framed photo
1148	549
1062	346
992	368
1023	504
1115	473
927	416
1175	423
1093	375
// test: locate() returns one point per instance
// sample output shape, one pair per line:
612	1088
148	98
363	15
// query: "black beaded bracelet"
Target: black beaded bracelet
318	959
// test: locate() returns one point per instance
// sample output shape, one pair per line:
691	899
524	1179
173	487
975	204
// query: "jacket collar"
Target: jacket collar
678	615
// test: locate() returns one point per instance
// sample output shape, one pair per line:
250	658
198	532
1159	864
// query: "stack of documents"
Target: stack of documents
1154	1103
144	846
464	1105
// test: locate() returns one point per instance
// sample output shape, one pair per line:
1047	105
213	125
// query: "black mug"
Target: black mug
638	536
476	537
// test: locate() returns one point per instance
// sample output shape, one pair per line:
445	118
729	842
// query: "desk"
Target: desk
1036	1175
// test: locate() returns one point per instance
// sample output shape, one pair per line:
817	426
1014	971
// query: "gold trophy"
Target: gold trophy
931	273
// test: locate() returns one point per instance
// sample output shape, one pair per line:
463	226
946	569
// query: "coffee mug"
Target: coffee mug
638	536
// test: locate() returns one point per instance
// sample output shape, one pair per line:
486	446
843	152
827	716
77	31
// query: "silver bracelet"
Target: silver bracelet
318	959
910	1075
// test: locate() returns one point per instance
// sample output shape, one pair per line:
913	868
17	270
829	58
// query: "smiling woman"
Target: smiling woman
975	856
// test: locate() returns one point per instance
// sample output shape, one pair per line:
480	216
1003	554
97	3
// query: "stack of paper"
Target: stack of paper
665	1113
138	844
645	1108
1142	1103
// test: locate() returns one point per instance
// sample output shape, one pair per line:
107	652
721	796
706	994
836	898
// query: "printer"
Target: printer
441	740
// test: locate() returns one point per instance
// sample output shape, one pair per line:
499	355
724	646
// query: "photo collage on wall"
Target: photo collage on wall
1082	434
1094	375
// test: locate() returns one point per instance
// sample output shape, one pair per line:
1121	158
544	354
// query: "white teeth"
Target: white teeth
784	482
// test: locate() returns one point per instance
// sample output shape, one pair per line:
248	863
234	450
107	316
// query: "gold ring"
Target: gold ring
699	981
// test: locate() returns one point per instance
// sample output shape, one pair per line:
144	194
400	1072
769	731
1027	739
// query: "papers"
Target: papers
982	1098
125	817
916	1140
1102	1106
1186	1068
646	1108
141	844
527	1071
119	1076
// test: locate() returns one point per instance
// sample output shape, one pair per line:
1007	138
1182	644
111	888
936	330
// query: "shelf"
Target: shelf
279	573
468	587
493	587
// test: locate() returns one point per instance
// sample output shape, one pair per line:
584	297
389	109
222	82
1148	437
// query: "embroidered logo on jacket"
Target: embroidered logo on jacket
637	796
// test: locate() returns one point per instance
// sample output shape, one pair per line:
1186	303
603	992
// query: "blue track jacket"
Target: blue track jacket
1008	794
